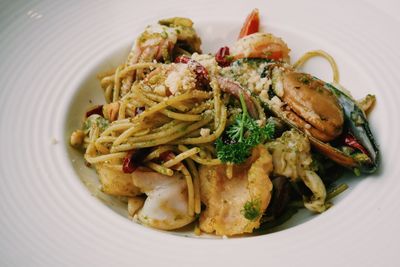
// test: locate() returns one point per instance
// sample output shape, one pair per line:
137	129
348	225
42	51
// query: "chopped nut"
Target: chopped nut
180	79
160	90
205	132
110	111
264	95
77	138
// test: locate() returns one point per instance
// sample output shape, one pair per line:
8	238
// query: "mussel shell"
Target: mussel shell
325	148
357	124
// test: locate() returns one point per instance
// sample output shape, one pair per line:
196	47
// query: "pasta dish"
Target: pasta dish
231	142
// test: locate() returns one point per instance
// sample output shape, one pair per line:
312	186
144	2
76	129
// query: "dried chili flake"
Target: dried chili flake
352	142
133	159
223	57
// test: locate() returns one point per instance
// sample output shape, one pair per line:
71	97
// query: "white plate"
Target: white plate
49	50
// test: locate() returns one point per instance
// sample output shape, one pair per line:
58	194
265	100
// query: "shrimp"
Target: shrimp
161	42
261	45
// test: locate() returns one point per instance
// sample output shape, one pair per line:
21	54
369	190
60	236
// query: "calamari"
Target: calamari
292	158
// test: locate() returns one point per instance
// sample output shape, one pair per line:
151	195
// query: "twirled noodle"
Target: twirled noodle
186	154
122	110
200	108
91	149
319	53
107	157
129	132
217	101
159	134
157	152
160	168
105	139
211	137
169	102
117	84
101	148
124	71
189	182
196	185
166	126
108	93
181	116
117	127
179	131
198	159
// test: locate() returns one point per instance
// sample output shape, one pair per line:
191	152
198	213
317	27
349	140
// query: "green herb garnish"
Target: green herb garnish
95	121
304	79
251	209
233	153
243	135
356	171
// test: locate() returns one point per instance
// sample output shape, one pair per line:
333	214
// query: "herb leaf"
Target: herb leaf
251	209
233	153
95	120
243	135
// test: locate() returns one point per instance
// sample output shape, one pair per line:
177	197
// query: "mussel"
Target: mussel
334	123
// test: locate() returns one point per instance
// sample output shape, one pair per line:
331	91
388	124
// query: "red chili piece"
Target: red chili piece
133	159
128	165
196	67
182	59
351	141
95	110
167	155
222	57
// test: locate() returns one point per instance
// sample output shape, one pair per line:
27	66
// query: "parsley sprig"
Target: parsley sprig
251	209
242	136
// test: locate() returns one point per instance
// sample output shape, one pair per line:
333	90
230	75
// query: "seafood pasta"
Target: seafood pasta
233	142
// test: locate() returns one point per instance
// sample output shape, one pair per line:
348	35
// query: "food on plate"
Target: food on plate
235	204
233	142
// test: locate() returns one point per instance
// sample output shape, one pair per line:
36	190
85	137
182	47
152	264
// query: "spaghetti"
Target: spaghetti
169	121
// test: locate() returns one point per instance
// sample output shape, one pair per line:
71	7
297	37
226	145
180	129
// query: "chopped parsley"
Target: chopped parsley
95	120
244	134
251	209
304	79
233	153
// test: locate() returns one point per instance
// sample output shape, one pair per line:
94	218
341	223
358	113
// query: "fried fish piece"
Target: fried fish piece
115	182
234	204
